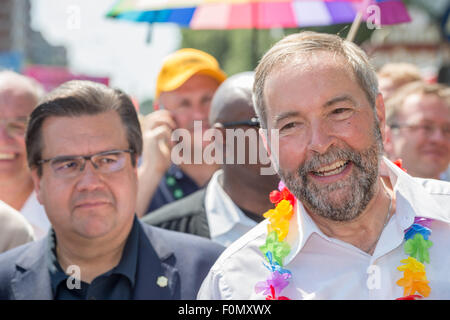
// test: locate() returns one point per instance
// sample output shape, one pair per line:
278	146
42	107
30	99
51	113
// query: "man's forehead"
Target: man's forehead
83	134
16	100
317	66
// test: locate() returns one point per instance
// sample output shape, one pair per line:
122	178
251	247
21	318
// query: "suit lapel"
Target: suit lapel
156	277
32	272
202	224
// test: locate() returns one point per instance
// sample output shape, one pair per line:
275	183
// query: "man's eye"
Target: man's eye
340	110
341	113
66	165
290	125
108	160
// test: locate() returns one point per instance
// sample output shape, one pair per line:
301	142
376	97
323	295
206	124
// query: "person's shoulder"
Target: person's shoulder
430	198
12	218
20	257
17	254
15	229
185	207
439	190
246	246
435	187
180	241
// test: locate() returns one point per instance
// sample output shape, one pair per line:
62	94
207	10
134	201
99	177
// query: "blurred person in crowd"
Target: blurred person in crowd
15	230
392	76
18	97
352	233
83	141
418	132
236	196
444	74
185	86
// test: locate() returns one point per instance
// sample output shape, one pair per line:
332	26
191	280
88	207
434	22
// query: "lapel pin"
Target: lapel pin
162	281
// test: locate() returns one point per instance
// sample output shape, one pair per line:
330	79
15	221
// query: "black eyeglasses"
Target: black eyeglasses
253	122
71	166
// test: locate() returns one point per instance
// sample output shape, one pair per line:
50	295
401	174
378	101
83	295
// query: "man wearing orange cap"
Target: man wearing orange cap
185	86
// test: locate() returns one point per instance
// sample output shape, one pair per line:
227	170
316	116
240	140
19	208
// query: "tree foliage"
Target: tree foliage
240	49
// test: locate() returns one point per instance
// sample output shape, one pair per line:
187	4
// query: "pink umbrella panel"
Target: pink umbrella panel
264	14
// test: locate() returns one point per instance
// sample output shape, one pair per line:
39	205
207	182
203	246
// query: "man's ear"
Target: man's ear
37	184
271	147
388	143
381	114
263	133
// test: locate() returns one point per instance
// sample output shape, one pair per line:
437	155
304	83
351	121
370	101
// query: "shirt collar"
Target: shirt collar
411	201
221	211
128	263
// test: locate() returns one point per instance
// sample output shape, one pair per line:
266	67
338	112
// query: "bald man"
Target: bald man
221	211
18	97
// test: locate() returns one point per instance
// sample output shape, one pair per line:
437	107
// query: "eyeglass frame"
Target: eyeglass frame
85	158
420	126
252	122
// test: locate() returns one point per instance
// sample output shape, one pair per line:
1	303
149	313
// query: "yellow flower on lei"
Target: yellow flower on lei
279	218
411	264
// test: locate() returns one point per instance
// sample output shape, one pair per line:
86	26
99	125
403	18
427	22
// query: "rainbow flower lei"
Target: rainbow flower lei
276	249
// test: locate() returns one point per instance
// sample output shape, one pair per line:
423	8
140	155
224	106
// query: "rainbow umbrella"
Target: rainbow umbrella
256	14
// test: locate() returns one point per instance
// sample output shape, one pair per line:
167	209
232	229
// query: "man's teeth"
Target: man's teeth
6	156
332	169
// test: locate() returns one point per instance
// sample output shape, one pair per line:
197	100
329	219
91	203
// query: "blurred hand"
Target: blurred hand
157	129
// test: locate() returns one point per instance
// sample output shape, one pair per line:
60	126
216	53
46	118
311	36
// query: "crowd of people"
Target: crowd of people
296	181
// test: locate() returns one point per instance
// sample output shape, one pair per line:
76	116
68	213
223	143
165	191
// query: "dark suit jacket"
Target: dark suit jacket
183	259
186	215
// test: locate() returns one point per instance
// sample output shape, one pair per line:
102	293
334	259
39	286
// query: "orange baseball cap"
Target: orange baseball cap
179	66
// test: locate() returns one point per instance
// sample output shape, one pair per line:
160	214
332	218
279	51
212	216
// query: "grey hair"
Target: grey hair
295	45
32	86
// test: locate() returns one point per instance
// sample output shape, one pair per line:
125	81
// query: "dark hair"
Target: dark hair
76	98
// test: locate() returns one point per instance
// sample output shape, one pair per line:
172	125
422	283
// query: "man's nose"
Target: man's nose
89	178
438	135
4	135
321	138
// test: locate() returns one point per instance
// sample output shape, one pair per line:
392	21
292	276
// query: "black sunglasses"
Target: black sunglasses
253	122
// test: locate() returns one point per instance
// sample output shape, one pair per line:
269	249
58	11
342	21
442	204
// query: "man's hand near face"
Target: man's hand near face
157	128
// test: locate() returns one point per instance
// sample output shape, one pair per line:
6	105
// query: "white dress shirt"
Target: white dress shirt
35	213
327	268
226	221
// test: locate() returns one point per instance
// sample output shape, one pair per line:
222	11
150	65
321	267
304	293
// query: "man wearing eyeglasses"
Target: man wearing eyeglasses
18	97
418	119
83	142
236	197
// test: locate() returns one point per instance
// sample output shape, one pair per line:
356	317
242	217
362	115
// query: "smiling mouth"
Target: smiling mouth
332	169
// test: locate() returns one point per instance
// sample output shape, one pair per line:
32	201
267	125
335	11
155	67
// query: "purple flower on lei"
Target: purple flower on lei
277	280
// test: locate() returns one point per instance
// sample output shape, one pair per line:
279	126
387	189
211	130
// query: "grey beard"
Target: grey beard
342	200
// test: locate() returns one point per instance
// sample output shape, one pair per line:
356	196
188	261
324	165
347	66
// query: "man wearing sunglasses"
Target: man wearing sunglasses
184	89
83	142
237	195
18	97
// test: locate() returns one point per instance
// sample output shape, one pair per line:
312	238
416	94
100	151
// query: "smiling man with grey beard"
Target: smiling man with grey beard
352	231
336	201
